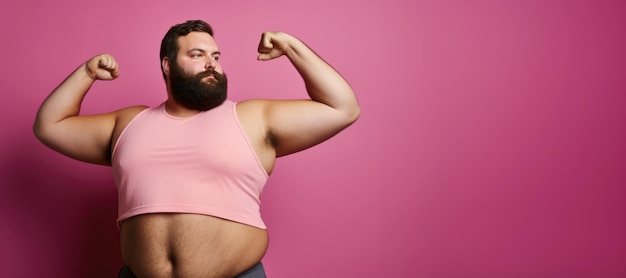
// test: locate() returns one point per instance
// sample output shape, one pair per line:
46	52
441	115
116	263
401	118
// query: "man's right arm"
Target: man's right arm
58	124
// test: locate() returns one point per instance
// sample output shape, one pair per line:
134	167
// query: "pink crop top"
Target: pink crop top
203	164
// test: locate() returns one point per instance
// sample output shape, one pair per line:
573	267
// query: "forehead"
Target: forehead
197	40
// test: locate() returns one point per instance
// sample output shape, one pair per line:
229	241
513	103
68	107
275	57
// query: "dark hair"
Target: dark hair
169	44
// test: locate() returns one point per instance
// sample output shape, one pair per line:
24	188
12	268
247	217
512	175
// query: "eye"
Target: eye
216	58
196	55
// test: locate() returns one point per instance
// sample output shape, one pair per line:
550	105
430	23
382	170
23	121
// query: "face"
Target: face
196	78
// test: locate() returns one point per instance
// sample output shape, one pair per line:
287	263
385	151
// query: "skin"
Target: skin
189	245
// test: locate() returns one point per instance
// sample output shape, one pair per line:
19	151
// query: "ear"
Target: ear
165	65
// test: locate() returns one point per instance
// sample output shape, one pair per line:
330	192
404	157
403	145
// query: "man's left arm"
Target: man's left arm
294	125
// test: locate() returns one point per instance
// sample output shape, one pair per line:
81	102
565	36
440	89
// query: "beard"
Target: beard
191	92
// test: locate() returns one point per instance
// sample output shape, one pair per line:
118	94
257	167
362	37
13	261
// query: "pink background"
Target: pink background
491	141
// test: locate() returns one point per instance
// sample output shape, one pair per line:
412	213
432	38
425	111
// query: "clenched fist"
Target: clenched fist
273	45
102	67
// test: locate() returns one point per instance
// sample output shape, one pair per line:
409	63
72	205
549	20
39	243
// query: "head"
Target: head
190	66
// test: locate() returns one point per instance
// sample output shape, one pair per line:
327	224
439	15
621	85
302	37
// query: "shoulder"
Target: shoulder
262	106
252	107
125	115
132	109
130	112
122	118
251	104
251	115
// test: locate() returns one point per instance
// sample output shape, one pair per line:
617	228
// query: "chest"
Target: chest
203	141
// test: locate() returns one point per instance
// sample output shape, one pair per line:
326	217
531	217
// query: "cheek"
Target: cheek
219	69
193	70
189	67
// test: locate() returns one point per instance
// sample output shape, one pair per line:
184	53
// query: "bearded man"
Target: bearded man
190	171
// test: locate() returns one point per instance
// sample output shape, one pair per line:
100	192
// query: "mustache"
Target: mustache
210	72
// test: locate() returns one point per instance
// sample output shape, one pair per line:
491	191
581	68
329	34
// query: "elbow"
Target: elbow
44	135
353	114
36	128
354	110
40	131
356	113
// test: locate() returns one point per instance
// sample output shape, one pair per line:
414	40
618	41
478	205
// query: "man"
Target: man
190	171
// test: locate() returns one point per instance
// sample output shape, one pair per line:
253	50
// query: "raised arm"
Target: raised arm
294	125
57	125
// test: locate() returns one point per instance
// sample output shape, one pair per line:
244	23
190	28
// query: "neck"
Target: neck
177	110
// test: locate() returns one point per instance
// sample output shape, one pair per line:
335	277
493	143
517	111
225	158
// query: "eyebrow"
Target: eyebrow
204	51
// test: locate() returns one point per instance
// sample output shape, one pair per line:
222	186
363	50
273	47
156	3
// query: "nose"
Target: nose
210	64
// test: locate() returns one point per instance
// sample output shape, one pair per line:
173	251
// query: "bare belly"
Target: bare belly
189	245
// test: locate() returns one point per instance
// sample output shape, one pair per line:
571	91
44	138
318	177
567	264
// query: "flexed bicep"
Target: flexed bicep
295	125
85	138
58	123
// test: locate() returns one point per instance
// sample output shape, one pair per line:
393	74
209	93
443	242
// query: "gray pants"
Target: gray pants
257	271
